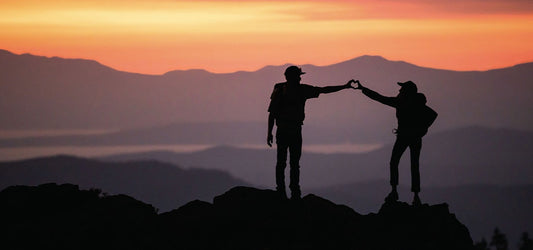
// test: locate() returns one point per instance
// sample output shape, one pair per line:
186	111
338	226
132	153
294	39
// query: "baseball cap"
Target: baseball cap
409	85
293	70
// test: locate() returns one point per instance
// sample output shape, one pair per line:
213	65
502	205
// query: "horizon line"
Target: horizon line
260	68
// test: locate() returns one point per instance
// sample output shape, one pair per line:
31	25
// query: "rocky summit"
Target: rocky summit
64	217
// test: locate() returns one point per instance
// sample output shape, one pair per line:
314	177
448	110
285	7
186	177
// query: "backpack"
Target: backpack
427	117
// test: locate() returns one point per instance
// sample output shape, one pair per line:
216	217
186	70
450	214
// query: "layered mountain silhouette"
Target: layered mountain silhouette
202	107
469	155
64	217
473	155
54	93
481	207
163	184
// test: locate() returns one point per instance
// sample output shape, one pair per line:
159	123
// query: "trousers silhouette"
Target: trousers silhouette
415	145
289	139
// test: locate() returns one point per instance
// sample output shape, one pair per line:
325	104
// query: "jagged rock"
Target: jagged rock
402	226
249	218
64	217
242	218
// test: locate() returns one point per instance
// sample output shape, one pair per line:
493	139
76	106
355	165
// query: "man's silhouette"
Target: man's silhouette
286	110
414	118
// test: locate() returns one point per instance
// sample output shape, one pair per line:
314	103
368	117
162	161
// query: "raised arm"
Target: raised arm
331	89
390	101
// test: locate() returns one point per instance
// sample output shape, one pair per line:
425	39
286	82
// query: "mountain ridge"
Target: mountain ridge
374	58
98	97
156	182
54	59
450	157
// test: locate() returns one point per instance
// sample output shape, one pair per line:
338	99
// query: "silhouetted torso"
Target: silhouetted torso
288	102
408	111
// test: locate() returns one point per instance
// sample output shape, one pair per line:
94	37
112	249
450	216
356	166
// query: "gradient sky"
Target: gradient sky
225	36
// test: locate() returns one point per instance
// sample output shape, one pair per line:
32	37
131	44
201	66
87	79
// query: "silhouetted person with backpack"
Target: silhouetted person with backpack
286	110
414	119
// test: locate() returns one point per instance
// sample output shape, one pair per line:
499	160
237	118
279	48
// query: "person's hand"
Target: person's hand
270	139
359	86
349	84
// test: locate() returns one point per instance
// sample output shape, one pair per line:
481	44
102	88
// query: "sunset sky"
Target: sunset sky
224	36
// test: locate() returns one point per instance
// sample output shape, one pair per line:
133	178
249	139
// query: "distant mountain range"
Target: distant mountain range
165	185
463	156
215	133
55	93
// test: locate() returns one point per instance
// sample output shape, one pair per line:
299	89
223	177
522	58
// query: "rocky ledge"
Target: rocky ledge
62	216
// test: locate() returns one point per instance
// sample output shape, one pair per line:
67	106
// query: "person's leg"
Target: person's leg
281	162
415	147
399	147
295	150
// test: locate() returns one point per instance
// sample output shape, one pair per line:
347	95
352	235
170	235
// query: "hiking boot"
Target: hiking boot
393	196
296	193
296	196
282	194
416	201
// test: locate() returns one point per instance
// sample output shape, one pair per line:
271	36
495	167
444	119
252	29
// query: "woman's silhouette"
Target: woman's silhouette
414	118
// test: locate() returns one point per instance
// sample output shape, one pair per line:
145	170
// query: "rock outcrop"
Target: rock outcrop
62	216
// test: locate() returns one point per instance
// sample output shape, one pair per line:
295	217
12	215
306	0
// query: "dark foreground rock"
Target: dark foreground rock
64	217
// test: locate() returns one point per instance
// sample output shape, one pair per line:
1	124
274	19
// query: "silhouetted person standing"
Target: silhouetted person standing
414	118
286	110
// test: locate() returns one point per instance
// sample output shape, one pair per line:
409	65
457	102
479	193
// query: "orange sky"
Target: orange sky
225	36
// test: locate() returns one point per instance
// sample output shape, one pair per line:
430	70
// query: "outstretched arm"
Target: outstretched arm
331	89
270	137
390	101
